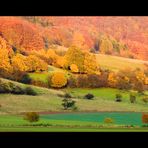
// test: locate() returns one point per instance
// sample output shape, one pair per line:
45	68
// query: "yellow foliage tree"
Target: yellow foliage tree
75	55
58	80
5	66
48	55
74	68
51	55
60	62
140	76
146	81
36	64
90	64
85	61
19	63
105	45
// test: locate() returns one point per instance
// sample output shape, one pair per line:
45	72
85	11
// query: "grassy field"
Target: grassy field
45	75
119	118
86	118
48	100
117	63
74	122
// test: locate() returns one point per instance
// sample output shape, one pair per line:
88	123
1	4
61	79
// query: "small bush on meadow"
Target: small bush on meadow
108	120
18	90
74	108
30	91
68	103
67	95
145	118
118	97
5	88
132	98
145	99
89	96
39	83
31	117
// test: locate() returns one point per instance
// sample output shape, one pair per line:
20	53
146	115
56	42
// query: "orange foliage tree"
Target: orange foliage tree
74	68
21	34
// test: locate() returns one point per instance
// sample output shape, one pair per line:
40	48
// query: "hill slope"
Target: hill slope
116	63
48	100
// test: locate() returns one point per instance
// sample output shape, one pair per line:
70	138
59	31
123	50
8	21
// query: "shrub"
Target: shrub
72	82
31	117
145	118
122	83
39	83
9	87
103	78
58	80
82	81
5	88
74	108
67	95
18	90
118	97
145	99
26	79
93	80
112	82
30	91
132	98
89	96
68	103
139	86
108	120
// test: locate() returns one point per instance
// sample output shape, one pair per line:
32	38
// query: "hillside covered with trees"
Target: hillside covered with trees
121	36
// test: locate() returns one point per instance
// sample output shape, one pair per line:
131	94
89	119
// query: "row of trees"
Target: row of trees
76	60
135	80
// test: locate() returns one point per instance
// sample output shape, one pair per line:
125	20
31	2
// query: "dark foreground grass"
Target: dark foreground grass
61	129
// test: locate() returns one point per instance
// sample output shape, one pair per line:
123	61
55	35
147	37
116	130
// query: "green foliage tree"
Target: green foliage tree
68	103
132	98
